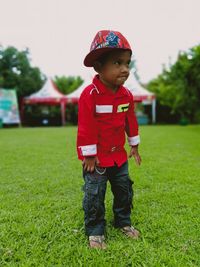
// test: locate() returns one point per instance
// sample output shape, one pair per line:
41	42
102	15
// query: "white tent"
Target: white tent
47	95
49	90
74	96
141	94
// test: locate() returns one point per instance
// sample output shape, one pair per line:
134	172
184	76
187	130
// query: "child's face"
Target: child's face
115	70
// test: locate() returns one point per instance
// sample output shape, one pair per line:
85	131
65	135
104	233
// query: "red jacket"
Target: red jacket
103	119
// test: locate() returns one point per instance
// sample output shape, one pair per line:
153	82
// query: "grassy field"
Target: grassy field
41	217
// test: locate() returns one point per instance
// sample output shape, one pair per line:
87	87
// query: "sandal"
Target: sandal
97	241
130	231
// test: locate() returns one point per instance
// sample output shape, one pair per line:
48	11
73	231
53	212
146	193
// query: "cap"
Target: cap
105	41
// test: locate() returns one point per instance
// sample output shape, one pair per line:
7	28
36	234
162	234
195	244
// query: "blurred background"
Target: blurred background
43	44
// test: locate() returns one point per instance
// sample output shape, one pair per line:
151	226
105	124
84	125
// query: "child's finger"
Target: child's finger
97	161
138	159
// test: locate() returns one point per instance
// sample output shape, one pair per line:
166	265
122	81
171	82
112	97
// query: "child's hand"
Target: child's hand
134	152
89	163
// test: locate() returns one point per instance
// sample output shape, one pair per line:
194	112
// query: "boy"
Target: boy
106	113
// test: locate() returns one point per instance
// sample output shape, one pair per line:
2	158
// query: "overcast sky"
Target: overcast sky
58	33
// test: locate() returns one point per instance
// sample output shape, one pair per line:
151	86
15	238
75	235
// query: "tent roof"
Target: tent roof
139	93
74	96
49	93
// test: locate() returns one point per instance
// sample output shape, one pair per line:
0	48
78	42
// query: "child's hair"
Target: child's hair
103	58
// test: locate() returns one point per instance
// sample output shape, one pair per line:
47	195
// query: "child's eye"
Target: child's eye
116	63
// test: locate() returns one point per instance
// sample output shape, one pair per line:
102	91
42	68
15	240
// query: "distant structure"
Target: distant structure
47	95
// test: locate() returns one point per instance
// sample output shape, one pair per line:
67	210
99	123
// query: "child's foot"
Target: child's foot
130	231
97	241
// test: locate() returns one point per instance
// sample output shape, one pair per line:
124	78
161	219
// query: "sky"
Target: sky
59	33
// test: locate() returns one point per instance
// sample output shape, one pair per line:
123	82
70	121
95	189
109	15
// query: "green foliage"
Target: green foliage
17	72
41	214
68	84
178	87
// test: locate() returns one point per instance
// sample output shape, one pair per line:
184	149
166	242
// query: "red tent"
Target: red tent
47	95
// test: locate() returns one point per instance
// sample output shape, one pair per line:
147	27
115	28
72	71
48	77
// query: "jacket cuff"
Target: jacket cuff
89	150
133	141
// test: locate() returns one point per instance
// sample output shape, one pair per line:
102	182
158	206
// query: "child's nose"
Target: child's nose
125	68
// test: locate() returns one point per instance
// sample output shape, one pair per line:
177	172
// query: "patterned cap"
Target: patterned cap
105	41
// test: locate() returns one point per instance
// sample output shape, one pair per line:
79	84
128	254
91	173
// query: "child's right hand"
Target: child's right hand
134	153
89	163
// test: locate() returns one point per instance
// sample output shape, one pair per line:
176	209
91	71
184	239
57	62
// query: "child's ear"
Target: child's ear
97	66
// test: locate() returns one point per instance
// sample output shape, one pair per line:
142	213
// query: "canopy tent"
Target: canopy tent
74	96
140	94
47	95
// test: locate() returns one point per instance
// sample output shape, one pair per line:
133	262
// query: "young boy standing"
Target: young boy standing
105	115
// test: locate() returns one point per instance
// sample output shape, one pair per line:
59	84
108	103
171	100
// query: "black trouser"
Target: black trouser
94	196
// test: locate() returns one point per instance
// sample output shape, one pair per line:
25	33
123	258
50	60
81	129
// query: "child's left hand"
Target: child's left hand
134	153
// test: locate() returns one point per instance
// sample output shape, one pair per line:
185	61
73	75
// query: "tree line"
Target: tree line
177	88
16	72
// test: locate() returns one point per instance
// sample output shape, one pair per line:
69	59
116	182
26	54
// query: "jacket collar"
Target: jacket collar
103	89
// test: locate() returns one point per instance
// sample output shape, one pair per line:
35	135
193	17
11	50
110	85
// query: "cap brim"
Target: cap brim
95	54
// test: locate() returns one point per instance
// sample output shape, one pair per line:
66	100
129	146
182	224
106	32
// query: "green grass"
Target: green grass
41	217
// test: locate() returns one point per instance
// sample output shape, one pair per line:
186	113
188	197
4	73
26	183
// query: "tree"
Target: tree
178	86
17	72
68	84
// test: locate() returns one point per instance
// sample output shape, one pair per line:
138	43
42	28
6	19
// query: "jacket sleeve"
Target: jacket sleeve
132	125
87	126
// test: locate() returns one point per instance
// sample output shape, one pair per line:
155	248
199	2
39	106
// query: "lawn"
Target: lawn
41	217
